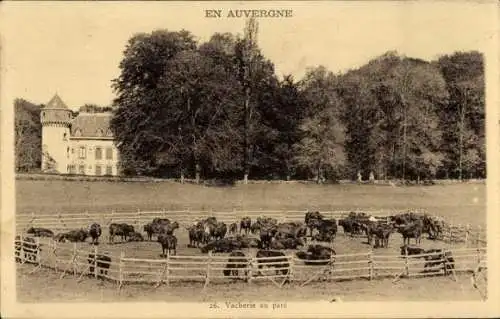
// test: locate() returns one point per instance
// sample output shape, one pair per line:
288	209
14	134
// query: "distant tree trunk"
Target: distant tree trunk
197	174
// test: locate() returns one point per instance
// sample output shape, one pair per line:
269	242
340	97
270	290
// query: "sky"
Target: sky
75	48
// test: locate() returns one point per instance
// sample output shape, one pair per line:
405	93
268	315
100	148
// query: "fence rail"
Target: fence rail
219	268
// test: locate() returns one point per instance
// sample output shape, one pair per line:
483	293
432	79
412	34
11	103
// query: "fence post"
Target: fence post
121	266
467	234
75	252
38	254
21	252
249	272
370	264
207	279
407	266
95	262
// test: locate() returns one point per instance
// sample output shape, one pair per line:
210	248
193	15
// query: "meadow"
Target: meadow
458	203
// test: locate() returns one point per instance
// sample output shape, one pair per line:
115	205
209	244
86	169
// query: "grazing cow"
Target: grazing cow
278	261
233	228
95	232
122	230
319	253
237	260
29	247
135	236
168	243
40	232
245	224
412	230
103	264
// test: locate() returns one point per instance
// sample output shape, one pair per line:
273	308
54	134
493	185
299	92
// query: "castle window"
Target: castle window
78	132
109	153
67	151
98	153
65	137
109	133
81	169
100	132
82	152
98	170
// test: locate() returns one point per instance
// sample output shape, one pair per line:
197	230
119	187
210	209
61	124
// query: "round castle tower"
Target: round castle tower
56	122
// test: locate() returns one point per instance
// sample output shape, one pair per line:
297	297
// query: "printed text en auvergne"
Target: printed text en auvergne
276	13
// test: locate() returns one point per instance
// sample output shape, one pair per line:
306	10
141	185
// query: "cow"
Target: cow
218	231
73	236
312	220
103	262
168	243
411	250
328	229
233	228
29	247
286	243
273	259
382	233
266	235
170	228
255	228
245	225
225	245
40	232
439	257
412	230
317	255
196	234
135	236
237	260
350	226
122	230
95	232
157	226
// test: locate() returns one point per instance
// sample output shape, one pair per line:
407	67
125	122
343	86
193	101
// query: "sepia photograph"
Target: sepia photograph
249	159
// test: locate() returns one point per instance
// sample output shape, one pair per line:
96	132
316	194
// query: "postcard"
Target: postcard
245	159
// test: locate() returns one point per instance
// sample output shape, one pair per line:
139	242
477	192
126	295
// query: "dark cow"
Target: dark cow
245	224
29	247
103	263
266	235
135	236
170	228
237	260
321	254
73	236
350	226
382	232
225	245
255	228
286	243
159	225
218	231
123	230
313	220
412	230
278	260
168	243
411	250
439	257
40	232
95	232
196	234
233	228
328	229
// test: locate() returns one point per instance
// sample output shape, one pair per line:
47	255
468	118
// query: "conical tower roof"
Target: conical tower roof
56	103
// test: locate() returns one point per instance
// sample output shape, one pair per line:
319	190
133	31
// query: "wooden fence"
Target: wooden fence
69	259
63	222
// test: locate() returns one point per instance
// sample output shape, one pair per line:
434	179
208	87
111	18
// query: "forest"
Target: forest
217	109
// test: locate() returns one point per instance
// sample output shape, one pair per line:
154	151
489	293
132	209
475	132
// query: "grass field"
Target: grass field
457	203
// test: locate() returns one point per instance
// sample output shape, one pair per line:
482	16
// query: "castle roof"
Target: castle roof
56	103
92	125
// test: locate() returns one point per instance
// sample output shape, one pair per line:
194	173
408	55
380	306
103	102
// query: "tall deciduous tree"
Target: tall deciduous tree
28	135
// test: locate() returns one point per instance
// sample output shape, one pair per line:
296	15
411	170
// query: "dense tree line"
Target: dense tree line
217	109
27	136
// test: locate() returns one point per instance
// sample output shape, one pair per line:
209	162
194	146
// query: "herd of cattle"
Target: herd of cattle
265	233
